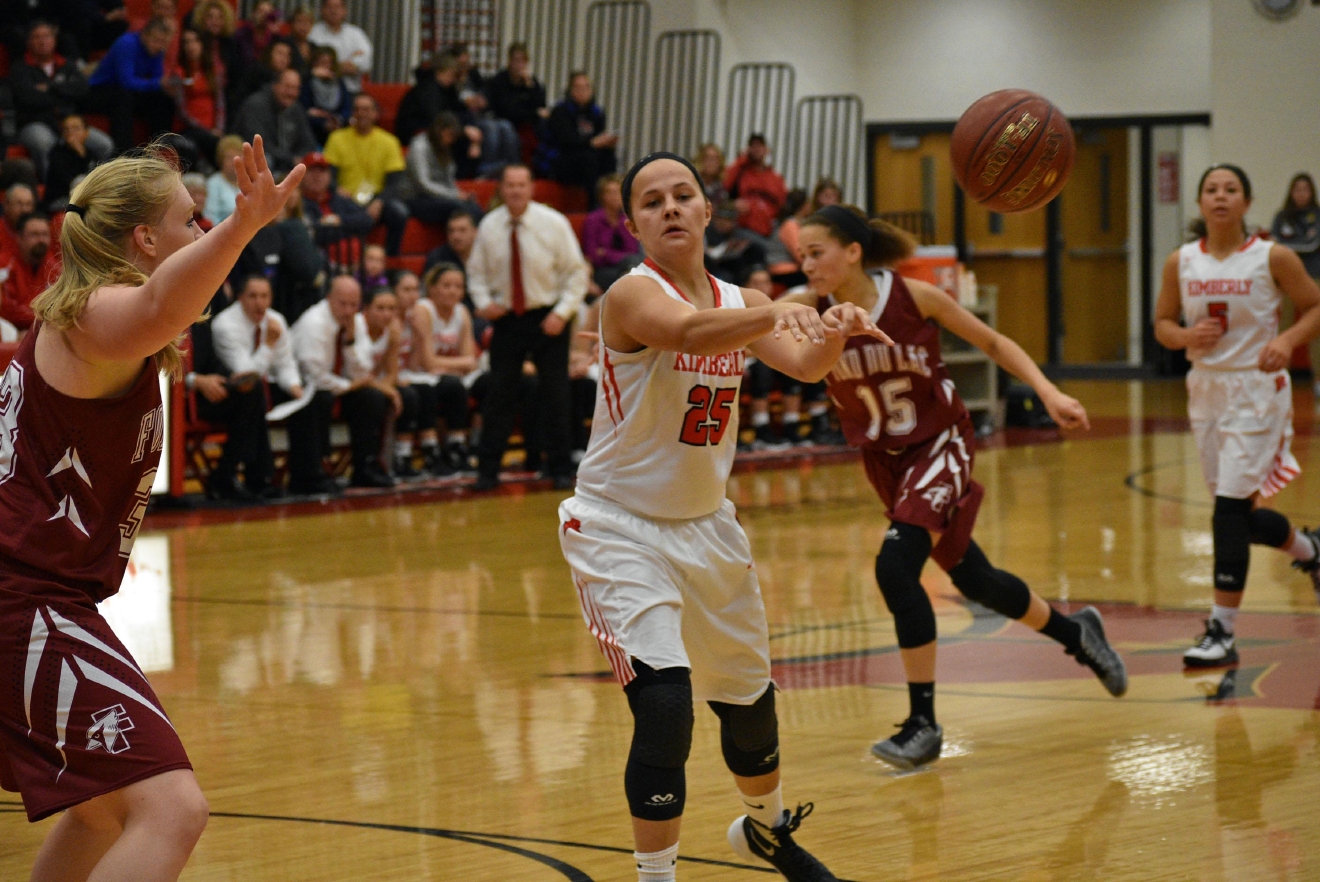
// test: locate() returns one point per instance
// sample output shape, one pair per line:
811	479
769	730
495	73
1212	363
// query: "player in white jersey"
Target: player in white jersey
1226	288
663	571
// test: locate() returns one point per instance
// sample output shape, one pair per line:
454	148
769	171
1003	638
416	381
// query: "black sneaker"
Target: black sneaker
1096	653
1214	649
768	439
403	467
917	743
775	845
1312	566
456	457
436	463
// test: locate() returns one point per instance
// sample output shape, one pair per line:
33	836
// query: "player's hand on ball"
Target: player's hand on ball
1275	356
799	320
259	197
850	320
1067	411
1204	334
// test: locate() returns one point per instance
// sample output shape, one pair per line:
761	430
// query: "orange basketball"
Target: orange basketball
1012	151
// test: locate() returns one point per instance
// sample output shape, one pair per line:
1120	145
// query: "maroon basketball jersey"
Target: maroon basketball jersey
889	397
75	475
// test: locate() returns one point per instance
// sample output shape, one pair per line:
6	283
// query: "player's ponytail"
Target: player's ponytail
882	242
104	209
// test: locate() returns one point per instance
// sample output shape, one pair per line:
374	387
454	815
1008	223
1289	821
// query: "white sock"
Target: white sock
456	438
1301	548
1226	616
402	448
657	866
760	419
791	417
767	810
815	409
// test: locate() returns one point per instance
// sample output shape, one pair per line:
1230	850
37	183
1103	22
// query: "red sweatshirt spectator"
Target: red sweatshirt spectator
29	272
757	189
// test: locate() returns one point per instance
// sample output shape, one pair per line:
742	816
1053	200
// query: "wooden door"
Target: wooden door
1094	220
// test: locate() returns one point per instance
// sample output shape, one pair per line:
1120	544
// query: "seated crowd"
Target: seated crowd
430	362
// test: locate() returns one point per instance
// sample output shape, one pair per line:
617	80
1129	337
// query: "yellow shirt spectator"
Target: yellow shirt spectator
363	161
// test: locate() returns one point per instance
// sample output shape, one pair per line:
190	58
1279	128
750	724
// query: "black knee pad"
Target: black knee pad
1231	527
1268	527
661	703
749	735
994	589
898	572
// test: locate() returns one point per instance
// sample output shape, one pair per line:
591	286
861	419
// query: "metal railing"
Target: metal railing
394	27
618	34
759	100
829	140
684	90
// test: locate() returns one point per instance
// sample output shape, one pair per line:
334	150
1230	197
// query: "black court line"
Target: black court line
494	840
1131	482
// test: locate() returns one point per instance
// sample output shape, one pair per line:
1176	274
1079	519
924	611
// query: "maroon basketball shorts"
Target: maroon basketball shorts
930	485
77	717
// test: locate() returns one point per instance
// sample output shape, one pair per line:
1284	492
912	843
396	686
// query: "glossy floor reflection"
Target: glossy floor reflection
409	693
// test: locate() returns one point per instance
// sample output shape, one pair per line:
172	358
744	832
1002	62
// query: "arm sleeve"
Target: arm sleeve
573	271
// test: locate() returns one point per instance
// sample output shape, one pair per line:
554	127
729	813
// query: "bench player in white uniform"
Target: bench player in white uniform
1226	286
663	571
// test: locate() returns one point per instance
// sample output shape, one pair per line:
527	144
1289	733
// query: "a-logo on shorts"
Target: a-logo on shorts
680	593
77	716
930	485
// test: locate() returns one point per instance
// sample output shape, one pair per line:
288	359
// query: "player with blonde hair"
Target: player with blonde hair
81	432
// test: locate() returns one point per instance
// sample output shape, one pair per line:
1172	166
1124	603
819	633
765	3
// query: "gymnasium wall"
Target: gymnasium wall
1263	98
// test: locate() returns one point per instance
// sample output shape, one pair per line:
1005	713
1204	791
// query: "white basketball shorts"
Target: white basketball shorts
671	593
1242	421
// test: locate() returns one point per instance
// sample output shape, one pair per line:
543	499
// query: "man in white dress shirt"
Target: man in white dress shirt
527	276
333	349
253	344
350	42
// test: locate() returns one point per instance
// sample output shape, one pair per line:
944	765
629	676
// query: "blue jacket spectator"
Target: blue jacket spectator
127	84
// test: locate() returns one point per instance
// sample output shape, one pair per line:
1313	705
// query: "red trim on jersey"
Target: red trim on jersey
1245	245
714	286
613	397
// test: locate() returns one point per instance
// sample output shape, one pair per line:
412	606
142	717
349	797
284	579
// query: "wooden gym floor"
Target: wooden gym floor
408	693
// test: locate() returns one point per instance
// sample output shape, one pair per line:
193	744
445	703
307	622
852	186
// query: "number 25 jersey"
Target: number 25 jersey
890	397
665	428
1239	292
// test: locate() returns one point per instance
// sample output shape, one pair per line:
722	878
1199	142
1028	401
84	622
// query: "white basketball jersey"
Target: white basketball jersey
666	424
445	335
1238	291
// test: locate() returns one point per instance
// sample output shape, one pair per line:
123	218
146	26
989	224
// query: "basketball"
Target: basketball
1012	151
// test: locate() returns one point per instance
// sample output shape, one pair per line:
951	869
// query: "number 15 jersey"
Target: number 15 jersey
1239	292
890	397
665	428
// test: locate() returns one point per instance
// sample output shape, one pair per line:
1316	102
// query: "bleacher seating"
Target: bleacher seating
388	96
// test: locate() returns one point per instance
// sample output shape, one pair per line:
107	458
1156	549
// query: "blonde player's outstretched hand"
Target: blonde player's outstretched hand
259	198
850	320
1066	411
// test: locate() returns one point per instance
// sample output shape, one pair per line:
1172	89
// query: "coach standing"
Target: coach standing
527	276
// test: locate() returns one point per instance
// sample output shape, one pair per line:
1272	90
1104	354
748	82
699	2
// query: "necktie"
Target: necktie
517	296
256	338
339	351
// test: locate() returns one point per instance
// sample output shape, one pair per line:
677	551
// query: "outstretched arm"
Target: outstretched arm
811	363
132	323
1003	351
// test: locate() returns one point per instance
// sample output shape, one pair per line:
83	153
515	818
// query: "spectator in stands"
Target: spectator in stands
527	276
710	162
436	92
578	148
300	28
20	200
284	252
757	189
606	242
333	350
69	158
516	95
375	271
275	114
731	250
369	163
499	139
349	41
127	85
17	170
215	23
195	184
17	17
253	343
338	224
443	356
763	379
47	87
277	58
797	207
222	186
326	96
258	32
460	234
197	86
431	187
31	270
